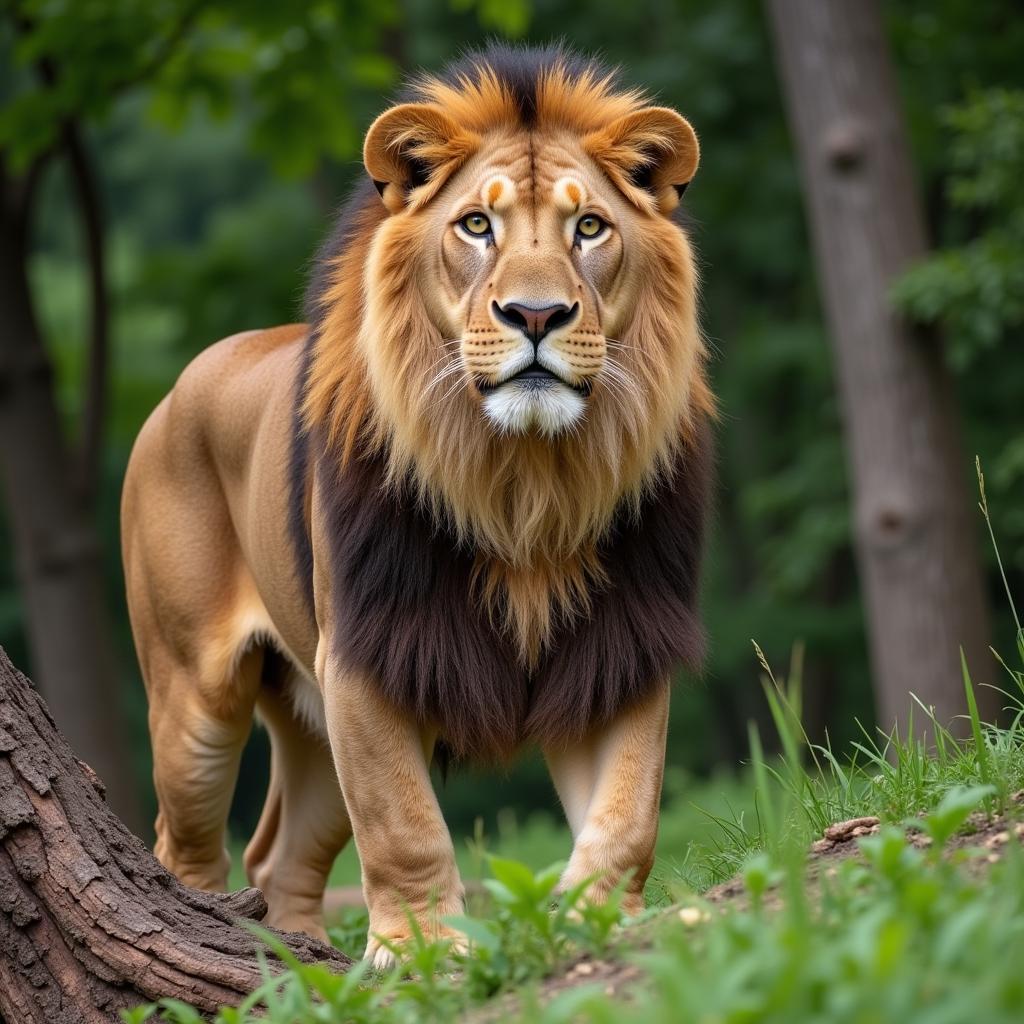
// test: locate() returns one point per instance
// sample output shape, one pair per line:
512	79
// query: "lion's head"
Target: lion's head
513	320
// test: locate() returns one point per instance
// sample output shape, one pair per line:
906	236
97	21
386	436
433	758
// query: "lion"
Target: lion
462	509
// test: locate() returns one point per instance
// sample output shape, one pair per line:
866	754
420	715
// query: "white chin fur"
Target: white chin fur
515	409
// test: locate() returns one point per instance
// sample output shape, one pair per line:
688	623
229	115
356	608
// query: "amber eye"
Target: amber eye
476	224
590	226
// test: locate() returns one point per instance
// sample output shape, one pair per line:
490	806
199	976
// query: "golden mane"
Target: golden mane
534	510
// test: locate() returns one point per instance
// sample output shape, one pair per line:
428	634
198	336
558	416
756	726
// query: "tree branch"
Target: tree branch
90	923
90	207
163	51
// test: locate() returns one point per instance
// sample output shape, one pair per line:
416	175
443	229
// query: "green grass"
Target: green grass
910	932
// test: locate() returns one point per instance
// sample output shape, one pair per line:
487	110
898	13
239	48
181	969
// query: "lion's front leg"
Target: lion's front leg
406	853
610	787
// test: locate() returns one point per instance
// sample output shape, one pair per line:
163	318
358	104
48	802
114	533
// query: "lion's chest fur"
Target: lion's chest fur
410	608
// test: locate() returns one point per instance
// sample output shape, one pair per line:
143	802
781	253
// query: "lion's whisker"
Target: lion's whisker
615	343
453	367
617	371
452	389
620	385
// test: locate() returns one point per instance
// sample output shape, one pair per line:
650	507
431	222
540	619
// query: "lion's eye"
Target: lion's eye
476	224
590	226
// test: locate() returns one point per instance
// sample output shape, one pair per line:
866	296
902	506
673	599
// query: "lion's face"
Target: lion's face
537	251
531	279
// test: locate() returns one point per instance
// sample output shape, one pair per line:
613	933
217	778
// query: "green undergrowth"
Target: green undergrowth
923	926
898	935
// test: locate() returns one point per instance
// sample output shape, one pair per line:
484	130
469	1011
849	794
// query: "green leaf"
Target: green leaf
953	810
980	749
480	933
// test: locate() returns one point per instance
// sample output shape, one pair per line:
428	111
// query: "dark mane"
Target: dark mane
406	614
344	229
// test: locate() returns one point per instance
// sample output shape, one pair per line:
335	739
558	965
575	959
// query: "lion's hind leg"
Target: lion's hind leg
197	746
304	824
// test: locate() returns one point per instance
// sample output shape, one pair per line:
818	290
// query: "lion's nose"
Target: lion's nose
535	322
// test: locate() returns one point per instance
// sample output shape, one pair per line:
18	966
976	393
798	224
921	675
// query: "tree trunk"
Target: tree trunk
56	547
90	923
916	540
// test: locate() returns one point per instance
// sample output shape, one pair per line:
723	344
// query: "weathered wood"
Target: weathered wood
90	922
915	535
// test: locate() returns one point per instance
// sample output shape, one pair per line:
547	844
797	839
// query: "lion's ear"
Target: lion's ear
412	149
651	154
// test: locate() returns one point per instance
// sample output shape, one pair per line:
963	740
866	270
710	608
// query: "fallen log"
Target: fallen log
90	922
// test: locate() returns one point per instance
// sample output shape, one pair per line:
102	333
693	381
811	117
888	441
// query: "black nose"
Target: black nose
535	323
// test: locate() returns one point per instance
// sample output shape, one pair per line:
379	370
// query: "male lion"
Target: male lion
464	506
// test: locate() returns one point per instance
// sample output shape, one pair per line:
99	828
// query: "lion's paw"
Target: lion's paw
381	951
384	949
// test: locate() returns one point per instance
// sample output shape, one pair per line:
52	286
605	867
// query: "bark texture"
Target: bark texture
915	535
58	557
90	922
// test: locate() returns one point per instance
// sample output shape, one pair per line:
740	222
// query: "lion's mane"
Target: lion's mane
502	588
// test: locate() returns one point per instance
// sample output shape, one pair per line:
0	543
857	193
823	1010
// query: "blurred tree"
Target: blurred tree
48	498
915	539
217	183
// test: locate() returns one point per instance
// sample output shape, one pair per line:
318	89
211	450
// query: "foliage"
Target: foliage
899	936
294	74
976	290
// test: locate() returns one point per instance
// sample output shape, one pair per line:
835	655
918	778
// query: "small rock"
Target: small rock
693	916
822	846
843	831
999	839
583	968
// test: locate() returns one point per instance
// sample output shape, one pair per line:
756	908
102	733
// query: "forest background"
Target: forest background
194	155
